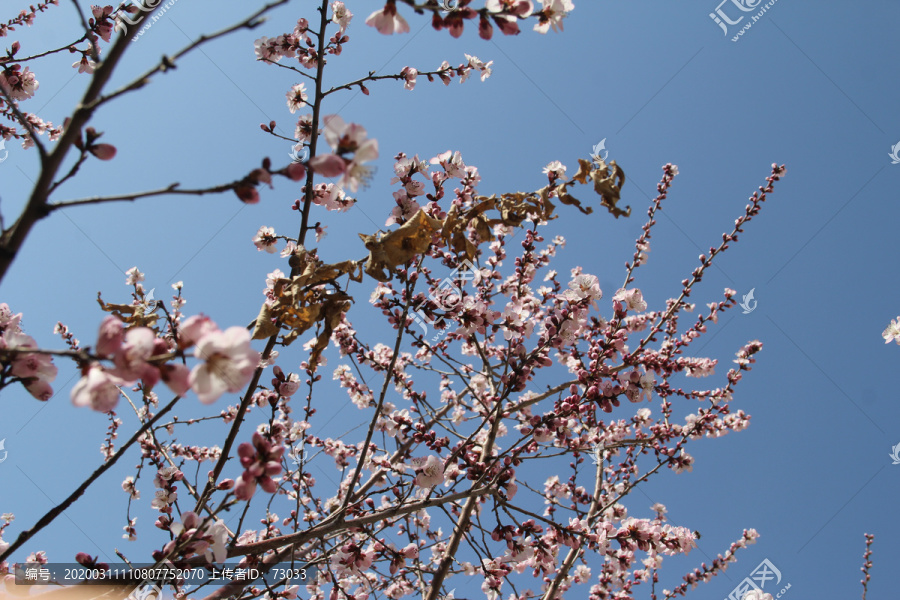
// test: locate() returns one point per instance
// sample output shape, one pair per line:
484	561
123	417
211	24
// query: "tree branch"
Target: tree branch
58	509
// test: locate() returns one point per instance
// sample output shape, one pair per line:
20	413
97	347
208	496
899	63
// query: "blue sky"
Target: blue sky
809	85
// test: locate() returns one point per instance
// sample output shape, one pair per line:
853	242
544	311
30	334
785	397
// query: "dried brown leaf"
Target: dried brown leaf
132	316
399	246
608	182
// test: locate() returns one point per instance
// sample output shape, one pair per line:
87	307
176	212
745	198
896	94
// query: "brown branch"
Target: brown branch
462	524
326	528
373	77
36	208
235	426
170	189
168	62
58	509
11	240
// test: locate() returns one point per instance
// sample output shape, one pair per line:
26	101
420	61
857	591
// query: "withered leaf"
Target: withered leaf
332	311
300	300
297	309
584	171
399	246
608	182
132	316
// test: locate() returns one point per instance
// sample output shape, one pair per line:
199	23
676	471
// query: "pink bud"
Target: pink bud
247	194
103	151
296	171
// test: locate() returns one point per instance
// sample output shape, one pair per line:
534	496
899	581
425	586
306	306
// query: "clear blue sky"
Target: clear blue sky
812	86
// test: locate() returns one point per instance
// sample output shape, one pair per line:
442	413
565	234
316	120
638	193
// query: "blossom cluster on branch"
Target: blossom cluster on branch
503	449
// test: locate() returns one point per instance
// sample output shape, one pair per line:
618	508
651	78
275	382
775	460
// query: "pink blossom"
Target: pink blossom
555	170
632	298
303	131
247	193
520	8
340	14
128	488
229	363
286	386
131	358
451	162
431	471
110	337
265	239
20	85
35	370
265	51
177	377
208	537
97	389
892	333
104	22
387	21
345	138
40	389
552	14
409	74
328	165
475	63
357	173
193	329
584	287
134	276
297	97
85	65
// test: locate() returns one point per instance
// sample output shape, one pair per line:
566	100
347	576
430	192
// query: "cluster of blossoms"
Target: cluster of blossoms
296	44
19	84
719	564
34	371
260	460
226	359
346	138
504	14
26	17
458	453
198	536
